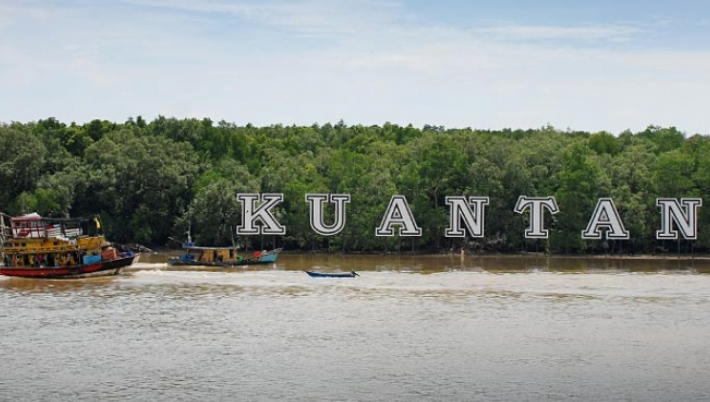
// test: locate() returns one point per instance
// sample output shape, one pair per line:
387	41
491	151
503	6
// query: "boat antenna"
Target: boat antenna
2	236
231	233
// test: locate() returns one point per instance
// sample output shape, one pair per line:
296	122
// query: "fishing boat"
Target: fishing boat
221	256
314	274
39	247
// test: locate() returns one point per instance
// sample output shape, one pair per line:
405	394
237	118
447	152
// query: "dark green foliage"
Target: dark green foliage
151	181
22	157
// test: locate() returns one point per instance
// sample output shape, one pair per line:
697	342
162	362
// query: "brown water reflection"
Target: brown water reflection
30	285
410	328
423	264
445	263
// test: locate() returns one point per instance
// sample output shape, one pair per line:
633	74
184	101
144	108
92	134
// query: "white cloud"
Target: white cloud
359	61
306	17
537	32
6	17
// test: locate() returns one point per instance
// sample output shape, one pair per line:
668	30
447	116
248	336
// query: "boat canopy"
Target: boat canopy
34	225
34	216
200	248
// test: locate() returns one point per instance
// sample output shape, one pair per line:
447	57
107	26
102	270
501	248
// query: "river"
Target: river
419	328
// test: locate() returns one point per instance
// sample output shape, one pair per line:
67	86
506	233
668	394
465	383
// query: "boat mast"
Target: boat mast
189	242
3	228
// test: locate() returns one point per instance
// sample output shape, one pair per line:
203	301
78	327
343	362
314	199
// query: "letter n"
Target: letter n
684	217
398	212
605	216
474	218
250	214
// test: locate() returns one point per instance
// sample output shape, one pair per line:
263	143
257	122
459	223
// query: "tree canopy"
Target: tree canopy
153	181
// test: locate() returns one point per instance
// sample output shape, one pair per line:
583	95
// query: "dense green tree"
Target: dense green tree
22	157
576	196
665	138
604	143
151	181
142	183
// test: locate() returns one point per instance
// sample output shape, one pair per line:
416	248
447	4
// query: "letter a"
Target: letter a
398	212
316	206
536	230
250	215
684	217
605	215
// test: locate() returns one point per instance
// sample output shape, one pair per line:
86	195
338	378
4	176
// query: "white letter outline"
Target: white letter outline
316	201
684	217
250	214
473	218
398	212
536	230
605	215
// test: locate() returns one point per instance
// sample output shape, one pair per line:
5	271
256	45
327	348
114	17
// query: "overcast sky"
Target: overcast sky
605	65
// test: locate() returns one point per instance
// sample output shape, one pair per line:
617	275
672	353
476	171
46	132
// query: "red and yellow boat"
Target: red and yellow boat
38	247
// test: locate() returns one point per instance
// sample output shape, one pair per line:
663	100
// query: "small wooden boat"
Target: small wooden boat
221	256
314	274
38	247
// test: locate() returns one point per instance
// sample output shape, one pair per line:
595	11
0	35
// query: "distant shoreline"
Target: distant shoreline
457	254
599	256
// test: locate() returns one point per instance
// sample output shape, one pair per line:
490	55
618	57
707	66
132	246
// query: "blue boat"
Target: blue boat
223	257
314	274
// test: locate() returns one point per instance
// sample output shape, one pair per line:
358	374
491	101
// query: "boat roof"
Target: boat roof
208	248
34	216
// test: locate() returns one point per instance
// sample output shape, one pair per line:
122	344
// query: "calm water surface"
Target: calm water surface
426	328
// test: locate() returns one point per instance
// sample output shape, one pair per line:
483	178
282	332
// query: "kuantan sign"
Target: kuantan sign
604	222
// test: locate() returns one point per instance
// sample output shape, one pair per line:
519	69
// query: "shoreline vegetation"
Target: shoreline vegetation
152	181
472	255
522	254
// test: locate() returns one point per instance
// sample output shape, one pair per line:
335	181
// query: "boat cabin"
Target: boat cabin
35	241
210	254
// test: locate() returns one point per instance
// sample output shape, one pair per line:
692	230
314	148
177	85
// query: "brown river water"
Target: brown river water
410	328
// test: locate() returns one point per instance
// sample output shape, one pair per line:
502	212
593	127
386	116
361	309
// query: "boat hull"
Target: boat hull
178	262
314	274
103	268
263	259
71	272
121	262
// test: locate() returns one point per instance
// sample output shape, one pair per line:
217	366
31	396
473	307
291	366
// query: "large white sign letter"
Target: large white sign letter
605	216
398	212
250	215
473	218
684	217
537	205
316	201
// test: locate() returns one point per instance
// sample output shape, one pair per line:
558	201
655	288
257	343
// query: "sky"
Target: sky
575	65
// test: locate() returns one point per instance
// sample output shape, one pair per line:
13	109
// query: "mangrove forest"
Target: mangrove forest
153	181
